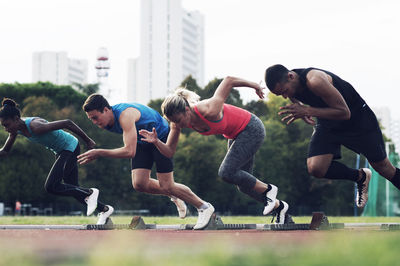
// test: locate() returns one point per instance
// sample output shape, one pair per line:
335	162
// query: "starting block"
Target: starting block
137	223
318	222
109	225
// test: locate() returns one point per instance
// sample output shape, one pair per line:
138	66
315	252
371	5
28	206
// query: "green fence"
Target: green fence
384	198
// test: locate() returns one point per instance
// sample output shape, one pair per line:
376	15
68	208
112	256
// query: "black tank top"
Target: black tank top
353	100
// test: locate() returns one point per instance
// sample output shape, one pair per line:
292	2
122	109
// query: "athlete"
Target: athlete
127	119
343	118
63	177
245	133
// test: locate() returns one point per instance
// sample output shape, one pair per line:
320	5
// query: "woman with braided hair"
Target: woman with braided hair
62	179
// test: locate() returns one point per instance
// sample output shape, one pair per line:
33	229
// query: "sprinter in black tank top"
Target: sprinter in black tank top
343	118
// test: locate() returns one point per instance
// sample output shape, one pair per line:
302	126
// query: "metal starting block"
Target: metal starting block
318	222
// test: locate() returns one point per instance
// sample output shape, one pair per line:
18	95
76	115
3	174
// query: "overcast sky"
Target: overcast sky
358	40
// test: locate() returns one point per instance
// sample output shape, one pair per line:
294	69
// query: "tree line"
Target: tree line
281	160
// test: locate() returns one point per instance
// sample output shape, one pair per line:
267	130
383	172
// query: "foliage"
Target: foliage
281	160
87	89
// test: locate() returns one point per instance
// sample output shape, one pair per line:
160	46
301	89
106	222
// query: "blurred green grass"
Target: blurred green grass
124	247
328	248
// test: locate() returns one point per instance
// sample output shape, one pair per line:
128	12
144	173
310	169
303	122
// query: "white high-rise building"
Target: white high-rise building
384	118
57	68
391	127
171	48
133	76
77	71
396	134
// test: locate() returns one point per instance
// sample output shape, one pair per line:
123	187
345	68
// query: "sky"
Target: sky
359	40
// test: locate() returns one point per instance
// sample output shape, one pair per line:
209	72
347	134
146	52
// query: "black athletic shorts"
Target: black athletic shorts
365	137
147	154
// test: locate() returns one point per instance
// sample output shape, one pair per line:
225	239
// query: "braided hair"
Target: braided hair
9	109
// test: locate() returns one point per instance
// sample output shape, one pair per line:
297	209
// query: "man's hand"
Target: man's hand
88	156
148	136
309	120
295	111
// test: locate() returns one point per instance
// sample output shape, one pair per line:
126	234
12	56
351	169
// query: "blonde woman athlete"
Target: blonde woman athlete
245	133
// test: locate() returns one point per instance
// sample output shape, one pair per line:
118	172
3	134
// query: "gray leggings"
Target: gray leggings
237	166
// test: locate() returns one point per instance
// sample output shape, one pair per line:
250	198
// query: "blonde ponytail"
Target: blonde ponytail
178	101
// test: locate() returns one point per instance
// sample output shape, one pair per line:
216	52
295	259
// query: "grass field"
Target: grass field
129	247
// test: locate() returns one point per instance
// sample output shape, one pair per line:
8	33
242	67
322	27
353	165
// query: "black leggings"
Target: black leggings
65	168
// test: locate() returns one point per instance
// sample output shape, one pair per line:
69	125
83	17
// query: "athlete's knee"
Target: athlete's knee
139	186
50	188
231	179
226	174
316	170
228	178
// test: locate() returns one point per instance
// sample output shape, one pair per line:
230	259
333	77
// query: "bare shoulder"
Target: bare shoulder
130	114
316	78
205	107
38	121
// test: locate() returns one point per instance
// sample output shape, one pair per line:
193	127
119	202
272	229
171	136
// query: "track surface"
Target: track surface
62	242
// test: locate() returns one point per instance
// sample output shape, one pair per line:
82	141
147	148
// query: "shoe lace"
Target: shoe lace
275	213
360	187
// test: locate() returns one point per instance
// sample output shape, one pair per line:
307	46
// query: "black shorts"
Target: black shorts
364	138
147	154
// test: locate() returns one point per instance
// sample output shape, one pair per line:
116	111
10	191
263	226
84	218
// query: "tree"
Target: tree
259	108
156	105
191	84
87	89
209	90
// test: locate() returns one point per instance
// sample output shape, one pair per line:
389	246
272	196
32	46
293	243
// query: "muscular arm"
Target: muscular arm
167	149
127	121
320	84
41	126
212	107
7	145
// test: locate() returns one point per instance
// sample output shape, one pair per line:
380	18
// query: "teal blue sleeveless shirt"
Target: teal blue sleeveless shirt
56	140
149	118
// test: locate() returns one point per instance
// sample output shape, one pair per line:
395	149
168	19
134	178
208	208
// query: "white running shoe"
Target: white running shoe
91	201
102	216
281	213
271	198
180	206
204	217
362	189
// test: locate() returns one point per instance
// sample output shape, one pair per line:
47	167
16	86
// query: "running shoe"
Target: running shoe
204	217
271	199
362	189
91	201
280	213
102	216
180	206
